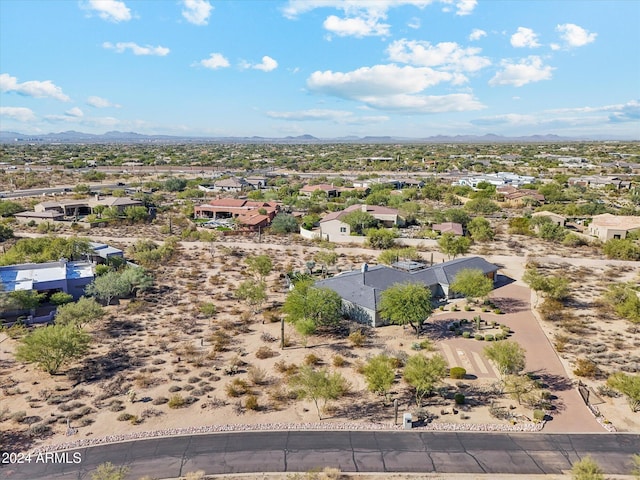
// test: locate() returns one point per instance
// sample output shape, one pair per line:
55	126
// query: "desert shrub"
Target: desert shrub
175	388
124	417
338	361
457	373
312	359
188	388
116	407
586	469
357	338
477	336
39	430
459	398
159	401
257	375
18	417
176	401
466	334
500	336
236	388
286	369
538	415
489	337
267	337
220	341
265	352
586	368
194	379
251	403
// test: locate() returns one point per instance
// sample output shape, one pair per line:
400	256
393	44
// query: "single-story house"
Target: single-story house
236	208
361	290
103	252
608	227
329	190
332	225
448	227
554	217
60	276
40	217
232	184
85	206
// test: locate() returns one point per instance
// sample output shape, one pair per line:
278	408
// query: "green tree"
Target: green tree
108	286
5	233
554	287
174	184
260	266
359	221
629	386
551	232
471	283
326	258
318	385
453	245
136	214
137	279
84	311
520	226
61	298
482	206
508	356
381	238
27	299
284	223
408	303
253	292
379	374
625	302
480	230
424	373
9	208
53	346
393	255
586	469
308	307
108	471
621	249
457	215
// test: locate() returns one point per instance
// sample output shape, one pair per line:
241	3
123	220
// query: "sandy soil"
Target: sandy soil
160	345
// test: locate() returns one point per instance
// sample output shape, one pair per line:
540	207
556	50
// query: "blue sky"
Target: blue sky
329	68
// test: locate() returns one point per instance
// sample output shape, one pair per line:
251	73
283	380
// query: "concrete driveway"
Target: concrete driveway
571	414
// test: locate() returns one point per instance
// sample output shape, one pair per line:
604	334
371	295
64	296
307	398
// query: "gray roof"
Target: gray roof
365	288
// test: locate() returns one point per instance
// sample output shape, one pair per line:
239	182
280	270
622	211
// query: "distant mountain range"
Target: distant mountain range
132	137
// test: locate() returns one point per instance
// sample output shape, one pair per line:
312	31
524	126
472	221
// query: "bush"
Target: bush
312	359
251	403
466	334
488	337
264	352
357	338
339	361
586	368
124	417
459	398
160	400
176	401
538	415
457	373
477	336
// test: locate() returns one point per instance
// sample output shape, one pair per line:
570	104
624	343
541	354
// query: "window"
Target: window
343	229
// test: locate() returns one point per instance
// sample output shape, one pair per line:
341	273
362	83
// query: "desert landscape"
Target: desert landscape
159	364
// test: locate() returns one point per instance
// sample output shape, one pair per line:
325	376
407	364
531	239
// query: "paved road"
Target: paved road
440	452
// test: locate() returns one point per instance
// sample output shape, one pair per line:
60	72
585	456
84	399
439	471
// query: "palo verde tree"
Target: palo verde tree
453	245
317	385
260	266
253	292
471	283
509	357
53	346
359	221
308	307
629	386
406	304
326	258
379	374
424	373
79	314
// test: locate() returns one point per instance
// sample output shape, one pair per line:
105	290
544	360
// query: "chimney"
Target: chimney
364	269
363	207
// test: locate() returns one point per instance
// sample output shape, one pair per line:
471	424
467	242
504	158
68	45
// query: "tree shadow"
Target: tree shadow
102	367
511	305
552	381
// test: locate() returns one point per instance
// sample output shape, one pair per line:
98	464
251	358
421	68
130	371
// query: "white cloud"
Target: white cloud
214	62
268	64
530	69
99	102
110	10
574	35
136	49
448	55
33	88
477	34
20	114
390	87
74	112
364	17
197	11
414	23
356	27
524	37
